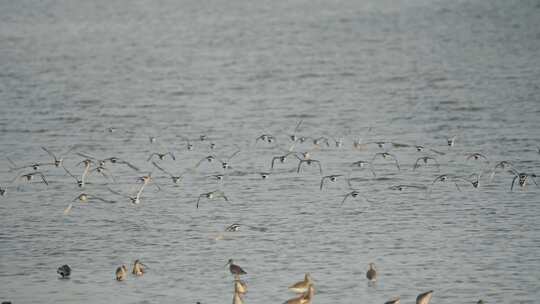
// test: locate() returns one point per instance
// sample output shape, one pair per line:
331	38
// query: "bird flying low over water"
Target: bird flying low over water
211	195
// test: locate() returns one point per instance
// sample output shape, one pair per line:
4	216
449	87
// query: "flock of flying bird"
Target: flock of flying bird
95	166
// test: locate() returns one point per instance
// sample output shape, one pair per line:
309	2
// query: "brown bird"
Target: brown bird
424	298
302	286
371	273
235	269
305	298
138	268
121	273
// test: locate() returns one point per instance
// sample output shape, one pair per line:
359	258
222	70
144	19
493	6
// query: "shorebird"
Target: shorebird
281	158
64	271
212	195
225	162
522	178
85	198
364	164
34	166
175	178
265	137
476	156
209	158
302	286
309	162
218	177
147	179
420	148
403	187
353	194
134	199
473	179
500	165
451	141
393	301
57	160
385	145
319	140
80	182
235	269
338	142
103	171
30	176
138	268
331	178
121	273
161	156
2	191
371	274
386	155
112	160
443	178
424	298
116	160
233	227
425	160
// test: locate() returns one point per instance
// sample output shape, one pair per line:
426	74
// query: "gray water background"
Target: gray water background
415	71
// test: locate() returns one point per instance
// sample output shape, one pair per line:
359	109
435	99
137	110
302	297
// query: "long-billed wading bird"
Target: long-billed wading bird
235	270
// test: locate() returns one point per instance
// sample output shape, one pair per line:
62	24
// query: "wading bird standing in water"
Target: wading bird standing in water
235	270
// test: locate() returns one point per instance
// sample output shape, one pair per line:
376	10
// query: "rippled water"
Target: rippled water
414	71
